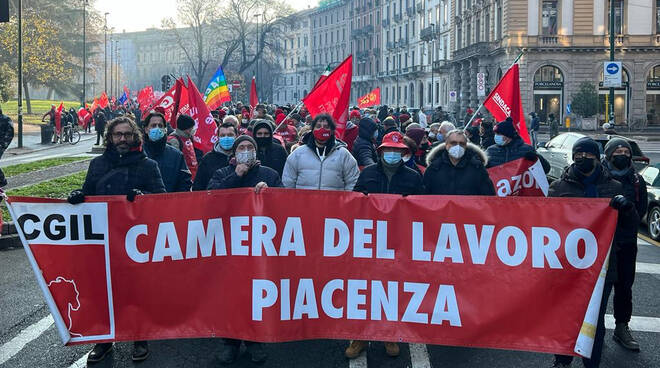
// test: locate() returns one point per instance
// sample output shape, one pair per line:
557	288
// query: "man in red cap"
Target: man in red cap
288	133
388	175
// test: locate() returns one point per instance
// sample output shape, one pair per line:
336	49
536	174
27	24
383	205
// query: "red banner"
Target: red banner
205	135
170	102
146	98
445	270
504	101
84	117
332	95
370	99
103	100
520	177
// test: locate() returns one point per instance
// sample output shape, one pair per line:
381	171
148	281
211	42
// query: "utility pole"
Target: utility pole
257	50
105	52
118	77
84	94
432	62
611	94
111	63
20	73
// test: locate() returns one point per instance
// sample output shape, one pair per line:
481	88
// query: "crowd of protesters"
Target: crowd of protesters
382	150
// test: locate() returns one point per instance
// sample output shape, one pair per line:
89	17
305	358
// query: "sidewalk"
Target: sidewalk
32	140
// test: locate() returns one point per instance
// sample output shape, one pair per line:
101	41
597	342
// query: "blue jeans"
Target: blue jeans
599	338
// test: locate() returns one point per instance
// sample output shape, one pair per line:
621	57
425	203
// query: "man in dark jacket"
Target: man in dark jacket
586	177
269	151
217	158
99	125
6	132
456	167
363	148
389	175
509	147
486	134
123	169
618	161
534	127
172	165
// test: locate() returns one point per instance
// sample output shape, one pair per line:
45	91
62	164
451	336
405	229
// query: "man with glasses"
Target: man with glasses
123	169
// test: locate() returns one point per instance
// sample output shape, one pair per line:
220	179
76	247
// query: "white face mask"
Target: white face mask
246	157
456	151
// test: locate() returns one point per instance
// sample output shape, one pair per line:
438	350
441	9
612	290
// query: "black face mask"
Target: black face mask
621	162
263	141
425	147
585	165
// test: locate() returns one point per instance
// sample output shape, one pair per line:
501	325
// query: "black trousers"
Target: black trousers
626	258
594	361
99	137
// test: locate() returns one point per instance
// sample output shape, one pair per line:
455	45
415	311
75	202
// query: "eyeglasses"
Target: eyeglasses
126	135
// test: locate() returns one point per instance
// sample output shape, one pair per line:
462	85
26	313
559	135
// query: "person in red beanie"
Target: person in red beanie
284	129
419	136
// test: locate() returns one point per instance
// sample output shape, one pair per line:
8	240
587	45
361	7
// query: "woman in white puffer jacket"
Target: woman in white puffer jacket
322	162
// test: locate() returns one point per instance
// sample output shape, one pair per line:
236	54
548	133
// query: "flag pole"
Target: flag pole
298	106
482	104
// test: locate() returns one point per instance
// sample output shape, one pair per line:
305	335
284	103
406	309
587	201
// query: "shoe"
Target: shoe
229	353
623	336
99	351
140	351
392	349
355	348
257	352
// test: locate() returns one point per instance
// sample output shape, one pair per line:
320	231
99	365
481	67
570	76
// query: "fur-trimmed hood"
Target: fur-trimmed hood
476	151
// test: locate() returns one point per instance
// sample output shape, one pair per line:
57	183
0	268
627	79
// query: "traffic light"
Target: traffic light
4	11
166	80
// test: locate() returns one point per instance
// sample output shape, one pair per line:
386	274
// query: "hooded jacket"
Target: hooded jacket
634	188
216	159
115	174
305	170
172	165
468	177
363	148
272	155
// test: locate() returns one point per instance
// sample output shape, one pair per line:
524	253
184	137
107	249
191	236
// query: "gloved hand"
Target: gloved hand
132	193
76	197
620	202
531	156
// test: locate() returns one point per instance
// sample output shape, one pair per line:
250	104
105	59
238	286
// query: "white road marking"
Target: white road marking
80	363
15	345
640	324
653	268
419	356
359	362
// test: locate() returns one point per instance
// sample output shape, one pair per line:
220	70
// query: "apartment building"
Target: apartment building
565	43
365	25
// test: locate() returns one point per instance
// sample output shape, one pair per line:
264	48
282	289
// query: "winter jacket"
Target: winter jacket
487	140
535	124
517	148
405	181
226	178
172	165
192	155
211	162
350	135
634	188
363	148
570	185
6	132
305	170
115	174
273	156
99	122
468	177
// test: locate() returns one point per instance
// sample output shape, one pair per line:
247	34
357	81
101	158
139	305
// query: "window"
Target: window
549	17
657	16
498	22
487	28
618	16
477	30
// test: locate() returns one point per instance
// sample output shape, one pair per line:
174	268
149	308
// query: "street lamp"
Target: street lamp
105	52
111	63
432	60
84	94
257	48
20	73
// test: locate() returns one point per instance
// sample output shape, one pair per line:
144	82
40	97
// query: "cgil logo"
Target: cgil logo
57	227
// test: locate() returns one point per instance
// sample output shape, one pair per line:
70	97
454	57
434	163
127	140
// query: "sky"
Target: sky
138	15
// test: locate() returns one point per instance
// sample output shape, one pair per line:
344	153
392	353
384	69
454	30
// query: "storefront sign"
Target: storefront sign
653	84
549	85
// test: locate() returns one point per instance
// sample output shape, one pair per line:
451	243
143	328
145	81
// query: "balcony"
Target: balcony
550	41
427	34
356	33
382	74
439	65
397	18
419	6
392	72
366	30
391	45
405	70
302	64
385	22
363	55
376	51
476	49
410	11
403	43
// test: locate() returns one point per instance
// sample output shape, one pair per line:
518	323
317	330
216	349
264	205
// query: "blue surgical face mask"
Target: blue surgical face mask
440	137
376	134
226	143
499	140
156	134
392	157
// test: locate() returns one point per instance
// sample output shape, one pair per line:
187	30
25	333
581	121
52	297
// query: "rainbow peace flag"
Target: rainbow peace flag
217	92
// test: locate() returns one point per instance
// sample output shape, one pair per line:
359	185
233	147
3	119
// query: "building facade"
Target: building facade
365	25
564	43
297	75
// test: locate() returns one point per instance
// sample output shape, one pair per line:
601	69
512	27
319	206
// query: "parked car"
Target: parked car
559	152
651	218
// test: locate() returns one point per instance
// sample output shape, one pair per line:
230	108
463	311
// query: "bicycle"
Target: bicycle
71	134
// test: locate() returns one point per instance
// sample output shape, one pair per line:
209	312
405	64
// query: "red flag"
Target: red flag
322	77
254	98
145	98
181	103
58	118
84	117
332	94
504	101
95	105
103	100
370	99
169	102
205	135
